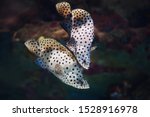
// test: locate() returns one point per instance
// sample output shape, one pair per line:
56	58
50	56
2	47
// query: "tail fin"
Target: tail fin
63	8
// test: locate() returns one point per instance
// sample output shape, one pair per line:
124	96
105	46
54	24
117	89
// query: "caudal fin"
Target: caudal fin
63	8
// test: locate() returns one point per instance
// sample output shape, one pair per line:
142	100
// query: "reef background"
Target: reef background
120	67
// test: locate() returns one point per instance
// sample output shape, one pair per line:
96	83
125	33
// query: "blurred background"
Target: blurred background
120	67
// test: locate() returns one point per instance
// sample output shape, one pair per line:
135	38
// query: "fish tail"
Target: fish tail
63	8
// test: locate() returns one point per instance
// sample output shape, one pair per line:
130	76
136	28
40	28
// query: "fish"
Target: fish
80	27
57	59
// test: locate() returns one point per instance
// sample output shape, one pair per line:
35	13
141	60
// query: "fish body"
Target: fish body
82	33
80	27
57	59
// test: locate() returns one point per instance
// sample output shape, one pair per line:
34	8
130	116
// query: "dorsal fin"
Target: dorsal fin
45	43
41	38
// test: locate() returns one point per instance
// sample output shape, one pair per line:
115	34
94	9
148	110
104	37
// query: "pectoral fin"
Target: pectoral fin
40	63
93	48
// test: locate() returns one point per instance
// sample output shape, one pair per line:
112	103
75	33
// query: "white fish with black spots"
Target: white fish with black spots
57	59
80	26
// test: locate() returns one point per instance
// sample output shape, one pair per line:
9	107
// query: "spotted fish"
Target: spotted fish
57	59
79	24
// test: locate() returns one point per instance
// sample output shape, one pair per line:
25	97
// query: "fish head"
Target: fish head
33	46
64	9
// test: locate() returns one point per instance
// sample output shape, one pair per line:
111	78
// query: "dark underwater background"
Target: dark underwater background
120	66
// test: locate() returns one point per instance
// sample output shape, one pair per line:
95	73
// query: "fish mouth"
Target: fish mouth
26	44
30	45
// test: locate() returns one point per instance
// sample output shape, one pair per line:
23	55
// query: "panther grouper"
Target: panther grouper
57	59
80	27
